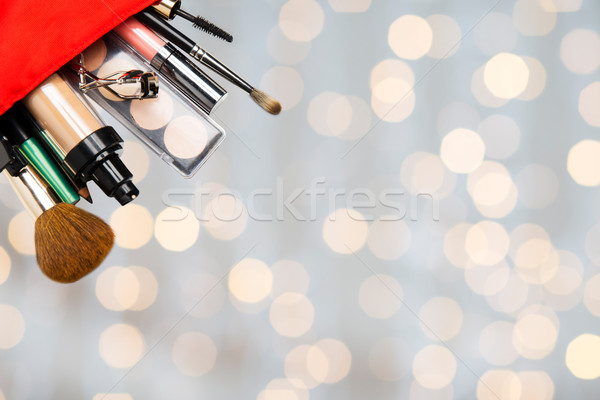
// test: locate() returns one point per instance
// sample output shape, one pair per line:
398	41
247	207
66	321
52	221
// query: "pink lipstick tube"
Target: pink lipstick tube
172	65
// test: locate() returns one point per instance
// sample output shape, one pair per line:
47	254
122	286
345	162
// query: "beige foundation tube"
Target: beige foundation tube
58	109
87	149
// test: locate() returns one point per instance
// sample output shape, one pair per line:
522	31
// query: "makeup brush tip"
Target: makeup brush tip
70	242
268	103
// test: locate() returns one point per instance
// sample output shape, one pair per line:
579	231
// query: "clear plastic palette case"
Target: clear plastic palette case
182	134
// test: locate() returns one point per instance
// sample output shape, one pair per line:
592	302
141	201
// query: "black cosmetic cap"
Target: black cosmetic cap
97	158
18	124
113	177
5	158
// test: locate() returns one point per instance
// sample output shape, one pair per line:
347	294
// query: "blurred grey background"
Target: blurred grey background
420	222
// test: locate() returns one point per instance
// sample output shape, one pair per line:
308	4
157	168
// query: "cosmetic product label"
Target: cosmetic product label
174	127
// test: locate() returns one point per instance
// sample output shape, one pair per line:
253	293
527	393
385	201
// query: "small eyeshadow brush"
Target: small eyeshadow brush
174	36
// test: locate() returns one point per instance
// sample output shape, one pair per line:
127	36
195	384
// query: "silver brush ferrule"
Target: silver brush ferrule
33	191
192	81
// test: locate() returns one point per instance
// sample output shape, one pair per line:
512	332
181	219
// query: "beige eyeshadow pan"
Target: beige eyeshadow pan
152	113
186	137
94	56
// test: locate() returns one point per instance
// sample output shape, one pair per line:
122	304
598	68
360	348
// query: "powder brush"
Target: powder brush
176	37
69	242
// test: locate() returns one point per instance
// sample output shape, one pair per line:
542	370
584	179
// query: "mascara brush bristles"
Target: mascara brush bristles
204	25
268	103
70	242
209	27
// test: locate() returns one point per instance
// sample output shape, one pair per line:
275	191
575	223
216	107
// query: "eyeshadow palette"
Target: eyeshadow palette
174	127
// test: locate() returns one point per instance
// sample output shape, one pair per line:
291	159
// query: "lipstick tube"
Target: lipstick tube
172	65
79	138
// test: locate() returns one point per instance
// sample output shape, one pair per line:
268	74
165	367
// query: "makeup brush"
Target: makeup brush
169	8
173	35
69	242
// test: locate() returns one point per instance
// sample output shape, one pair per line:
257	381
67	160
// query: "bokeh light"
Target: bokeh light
133	225
486	243
380	296
492	189
121	345
225	217
284	82
194	353
496	343
352	6
462	151
583	162
4	265
21	231
537	79
291	314
279	389
176	228
506	75
583	356
410	37
345	231
301	371
12	328
534	17
393	99
441	318
434	367
388	238
301	20
136	157
446	36
504	384
250	280
589	101
580	51
339	359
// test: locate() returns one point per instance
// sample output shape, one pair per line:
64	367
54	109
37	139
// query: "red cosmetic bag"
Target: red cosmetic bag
38	37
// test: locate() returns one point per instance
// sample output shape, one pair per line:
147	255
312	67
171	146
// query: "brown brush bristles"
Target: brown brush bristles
268	103
70	242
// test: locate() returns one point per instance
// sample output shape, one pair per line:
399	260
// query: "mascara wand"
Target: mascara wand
169	8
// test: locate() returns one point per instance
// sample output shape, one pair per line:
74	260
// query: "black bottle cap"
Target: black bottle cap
18	124
113	177
97	158
5	158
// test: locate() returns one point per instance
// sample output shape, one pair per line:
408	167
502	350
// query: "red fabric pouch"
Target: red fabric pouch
39	37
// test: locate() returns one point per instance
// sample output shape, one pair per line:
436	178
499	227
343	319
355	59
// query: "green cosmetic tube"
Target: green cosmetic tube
19	127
